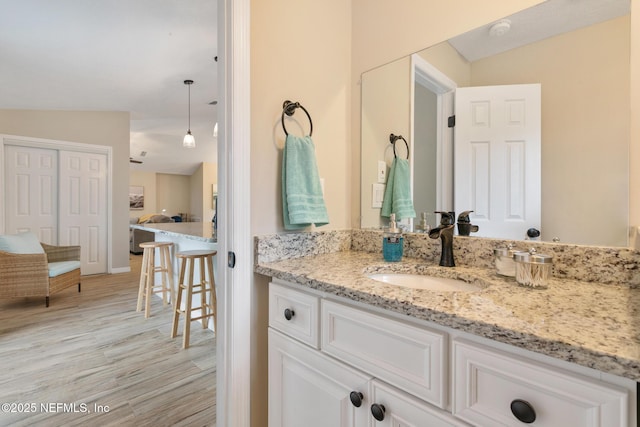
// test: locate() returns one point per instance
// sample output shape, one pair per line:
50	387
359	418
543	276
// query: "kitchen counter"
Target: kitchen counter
593	325
201	231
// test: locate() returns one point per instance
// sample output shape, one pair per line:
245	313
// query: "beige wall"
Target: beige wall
87	127
173	193
148	181
300	51
634	152
385	110
201	181
177	193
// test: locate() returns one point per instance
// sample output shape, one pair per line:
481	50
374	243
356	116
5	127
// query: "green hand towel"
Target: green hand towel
302	200
397	194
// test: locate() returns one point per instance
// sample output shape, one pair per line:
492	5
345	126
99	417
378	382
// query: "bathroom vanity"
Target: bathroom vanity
347	350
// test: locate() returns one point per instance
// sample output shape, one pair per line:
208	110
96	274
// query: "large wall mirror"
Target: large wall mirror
578	52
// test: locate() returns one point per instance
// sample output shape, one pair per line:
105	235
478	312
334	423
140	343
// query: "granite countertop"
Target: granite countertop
593	325
201	231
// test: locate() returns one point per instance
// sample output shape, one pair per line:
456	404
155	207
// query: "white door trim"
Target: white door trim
437	82
26	141
233	350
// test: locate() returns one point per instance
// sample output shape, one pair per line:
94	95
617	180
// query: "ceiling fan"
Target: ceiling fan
132	160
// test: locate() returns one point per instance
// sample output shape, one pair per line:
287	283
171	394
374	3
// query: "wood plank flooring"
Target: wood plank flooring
92	350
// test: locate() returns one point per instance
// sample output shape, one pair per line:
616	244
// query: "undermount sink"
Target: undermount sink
419	281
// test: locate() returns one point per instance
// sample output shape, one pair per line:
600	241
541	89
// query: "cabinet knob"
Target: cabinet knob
378	411
523	411
356	398
288	313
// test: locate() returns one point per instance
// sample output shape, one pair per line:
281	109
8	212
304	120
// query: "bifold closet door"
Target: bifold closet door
83	207
31	192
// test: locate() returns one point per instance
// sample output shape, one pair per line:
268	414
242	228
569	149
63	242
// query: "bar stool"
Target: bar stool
148	286
206	287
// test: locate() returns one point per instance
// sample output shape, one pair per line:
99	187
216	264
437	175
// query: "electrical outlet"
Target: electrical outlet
382	171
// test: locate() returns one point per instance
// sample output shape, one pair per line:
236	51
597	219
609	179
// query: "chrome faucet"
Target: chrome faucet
445	232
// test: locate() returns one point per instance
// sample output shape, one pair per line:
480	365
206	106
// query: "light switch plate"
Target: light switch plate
382	171
377	195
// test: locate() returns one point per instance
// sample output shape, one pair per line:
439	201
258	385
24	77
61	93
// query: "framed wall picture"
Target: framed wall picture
136	197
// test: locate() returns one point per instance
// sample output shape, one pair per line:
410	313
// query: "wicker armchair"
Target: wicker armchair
27	275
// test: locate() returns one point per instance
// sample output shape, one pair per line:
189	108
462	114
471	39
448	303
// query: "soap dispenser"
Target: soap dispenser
392	241
422	226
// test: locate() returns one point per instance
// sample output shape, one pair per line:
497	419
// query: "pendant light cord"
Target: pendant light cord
189	83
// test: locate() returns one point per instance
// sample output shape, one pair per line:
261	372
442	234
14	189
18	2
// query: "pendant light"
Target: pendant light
189	141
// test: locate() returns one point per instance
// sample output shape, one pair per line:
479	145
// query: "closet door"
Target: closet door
83	207
31	190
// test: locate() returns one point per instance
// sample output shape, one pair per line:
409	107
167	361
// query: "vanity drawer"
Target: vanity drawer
488	383
410	358
294	313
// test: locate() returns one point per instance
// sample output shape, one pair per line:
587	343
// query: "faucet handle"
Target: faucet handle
464	217
447	218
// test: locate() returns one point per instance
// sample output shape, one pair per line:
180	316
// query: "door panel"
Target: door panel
83	210
497	156
31	184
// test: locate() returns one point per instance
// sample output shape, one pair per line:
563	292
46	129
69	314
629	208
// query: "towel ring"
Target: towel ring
393	139
289	108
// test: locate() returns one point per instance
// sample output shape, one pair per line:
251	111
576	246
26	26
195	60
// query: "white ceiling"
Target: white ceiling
118	55
536	23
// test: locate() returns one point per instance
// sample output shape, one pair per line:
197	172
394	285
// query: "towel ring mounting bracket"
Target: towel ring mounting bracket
393	139
289	108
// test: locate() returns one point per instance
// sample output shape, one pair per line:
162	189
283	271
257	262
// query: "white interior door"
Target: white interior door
83	207
31	190
497	158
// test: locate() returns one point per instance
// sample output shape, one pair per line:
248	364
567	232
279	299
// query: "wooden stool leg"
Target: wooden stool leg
143	282
172	292
187	310
150	281
203	293
213	300
163	274
176	309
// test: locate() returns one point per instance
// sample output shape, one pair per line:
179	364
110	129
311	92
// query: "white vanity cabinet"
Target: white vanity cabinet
337	363
308	387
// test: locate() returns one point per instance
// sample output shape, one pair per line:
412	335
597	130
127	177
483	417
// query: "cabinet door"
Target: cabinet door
309	389
394	408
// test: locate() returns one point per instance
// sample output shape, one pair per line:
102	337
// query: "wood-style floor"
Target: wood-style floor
93	349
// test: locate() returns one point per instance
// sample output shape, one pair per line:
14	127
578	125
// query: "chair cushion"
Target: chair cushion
61	267
21	243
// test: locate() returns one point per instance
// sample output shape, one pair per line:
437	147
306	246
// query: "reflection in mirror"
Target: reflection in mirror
584	78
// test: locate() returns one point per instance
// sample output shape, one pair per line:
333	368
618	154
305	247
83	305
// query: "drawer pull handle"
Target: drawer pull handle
288	313
356	398
378	411
523	411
